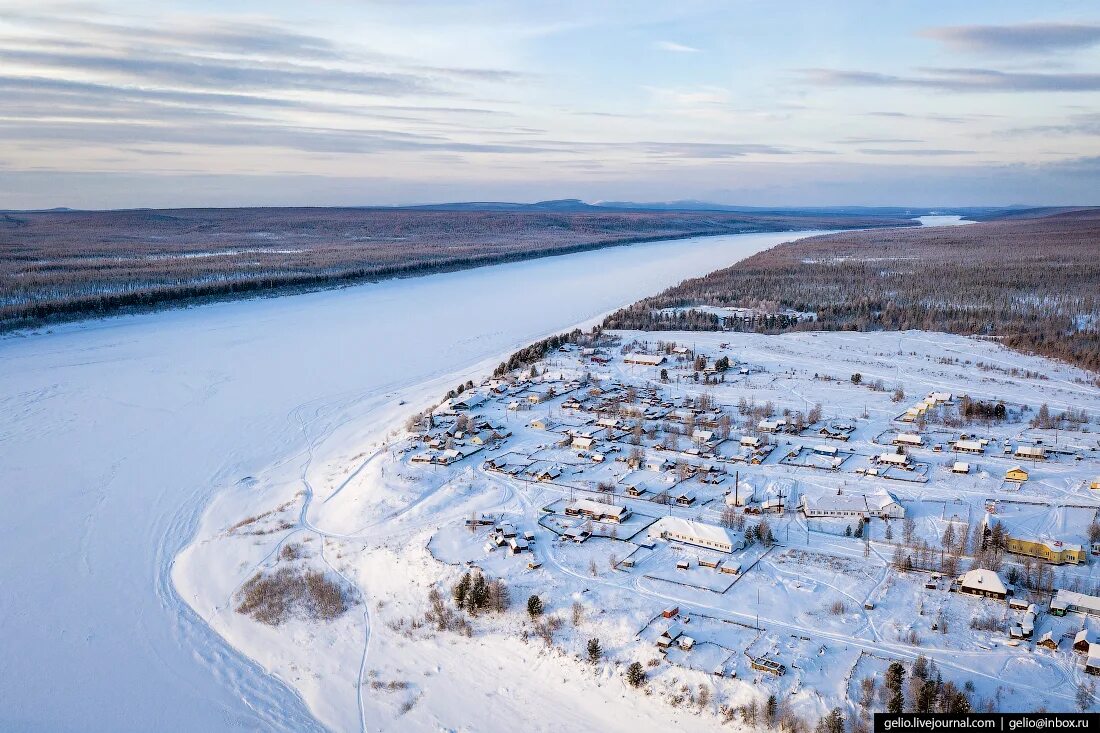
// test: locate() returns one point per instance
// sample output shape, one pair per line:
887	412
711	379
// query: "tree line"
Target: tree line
1031	284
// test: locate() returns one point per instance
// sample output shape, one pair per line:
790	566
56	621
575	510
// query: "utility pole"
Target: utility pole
757	609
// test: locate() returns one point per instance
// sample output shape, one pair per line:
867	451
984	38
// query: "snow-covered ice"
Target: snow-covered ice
115	434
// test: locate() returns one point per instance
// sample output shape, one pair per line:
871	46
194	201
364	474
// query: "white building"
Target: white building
644	359
969	446
1073	602
700	534
598	511
908	439
1031	452
852	505
894	459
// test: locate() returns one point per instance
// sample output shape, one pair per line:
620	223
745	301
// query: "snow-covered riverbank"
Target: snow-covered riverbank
115	434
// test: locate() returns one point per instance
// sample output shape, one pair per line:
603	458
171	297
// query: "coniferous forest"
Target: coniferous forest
1031	283
77	264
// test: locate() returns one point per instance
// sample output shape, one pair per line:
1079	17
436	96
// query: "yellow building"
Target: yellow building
1053	551
1095	484
1016	473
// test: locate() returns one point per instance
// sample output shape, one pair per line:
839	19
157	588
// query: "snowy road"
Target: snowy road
114	435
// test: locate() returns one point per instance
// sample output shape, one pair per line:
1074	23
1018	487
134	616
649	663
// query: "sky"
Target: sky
121	104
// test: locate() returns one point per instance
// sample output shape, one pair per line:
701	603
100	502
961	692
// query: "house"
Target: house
894	459
549	473
1053	551
545	422
583	442
577	534
960	467
684	498
669	635
908	439
670	612
938	397
1031	452
635	490
644	359
482	437
1047	641
700	534
1072	602
826	450
1095	485
969	446
772	426
598	511
517	545
1016	474
702	436
657	464
1081	641
751	441
982	582
1092	661
466	401
1027	623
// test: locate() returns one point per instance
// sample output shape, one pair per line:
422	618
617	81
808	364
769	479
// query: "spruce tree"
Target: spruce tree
595	653
534	606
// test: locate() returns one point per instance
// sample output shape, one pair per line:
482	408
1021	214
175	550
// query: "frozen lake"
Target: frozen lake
114	434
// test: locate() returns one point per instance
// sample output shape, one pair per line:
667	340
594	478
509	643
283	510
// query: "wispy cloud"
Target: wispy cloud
918	152
1015	39
959	80
675	47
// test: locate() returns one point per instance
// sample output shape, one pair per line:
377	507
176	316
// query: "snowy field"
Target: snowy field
116	434
825	603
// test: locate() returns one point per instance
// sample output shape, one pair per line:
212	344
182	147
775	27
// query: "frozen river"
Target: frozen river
114	435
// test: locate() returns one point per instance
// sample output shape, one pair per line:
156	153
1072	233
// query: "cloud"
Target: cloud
929	152
247	134
1022	38
1084	124
674	47
709	151
228	74
876	140
958	80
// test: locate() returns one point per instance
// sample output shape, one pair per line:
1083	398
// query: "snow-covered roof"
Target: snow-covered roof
711	533
836	503
598	508
646	359
985	580
1067	598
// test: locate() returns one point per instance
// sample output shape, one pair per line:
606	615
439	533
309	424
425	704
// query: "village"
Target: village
769	513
